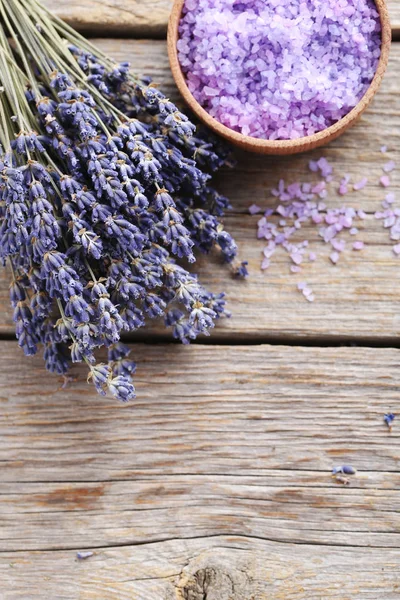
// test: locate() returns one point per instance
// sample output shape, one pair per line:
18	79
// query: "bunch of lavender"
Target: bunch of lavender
105	196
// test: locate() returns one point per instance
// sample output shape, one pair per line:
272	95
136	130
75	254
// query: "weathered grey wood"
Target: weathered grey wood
358	298
221	441
220	468
137	17
220	568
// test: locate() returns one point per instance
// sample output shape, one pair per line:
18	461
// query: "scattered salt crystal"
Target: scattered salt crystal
334	256
301	286
295	269
389	166
312	257
353	231
390	198
313	166
265	264
254	209
307	292
317	189
396	249
384	181
383	149
361	214
360	184
317	218
296	258
358	245
338	245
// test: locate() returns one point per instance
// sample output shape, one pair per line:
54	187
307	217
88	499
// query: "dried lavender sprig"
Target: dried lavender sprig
102	192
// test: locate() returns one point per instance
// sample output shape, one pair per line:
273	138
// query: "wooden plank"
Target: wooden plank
223	568
241	444
218	476
356	299
138	17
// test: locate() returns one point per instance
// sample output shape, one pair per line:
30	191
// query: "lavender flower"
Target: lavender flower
106	196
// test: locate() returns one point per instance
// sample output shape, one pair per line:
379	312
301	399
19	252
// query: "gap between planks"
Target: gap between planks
139	18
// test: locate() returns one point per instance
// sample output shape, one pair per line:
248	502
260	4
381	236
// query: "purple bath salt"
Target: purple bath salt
389	166
390	198
279	69
360	185
358	245
295	269
254	209
334	256
385	181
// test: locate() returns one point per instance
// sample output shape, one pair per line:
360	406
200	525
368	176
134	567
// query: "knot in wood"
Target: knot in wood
213	581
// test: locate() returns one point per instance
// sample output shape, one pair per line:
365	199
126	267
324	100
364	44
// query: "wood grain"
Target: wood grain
219	568
221	476
138	17
357	299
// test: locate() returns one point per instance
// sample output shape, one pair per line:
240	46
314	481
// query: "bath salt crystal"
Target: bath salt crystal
358	245
296	258
265	264
306	291
254	209
390	198
338	245
353	231
279	69
383	149
312	257
384	181
389	166
396	249
334	256
360	184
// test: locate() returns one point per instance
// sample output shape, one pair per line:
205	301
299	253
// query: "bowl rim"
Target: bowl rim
277	146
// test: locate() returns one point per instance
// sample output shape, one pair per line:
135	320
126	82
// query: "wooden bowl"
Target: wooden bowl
277	146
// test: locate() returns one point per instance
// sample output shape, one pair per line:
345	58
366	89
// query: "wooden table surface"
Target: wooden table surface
214	484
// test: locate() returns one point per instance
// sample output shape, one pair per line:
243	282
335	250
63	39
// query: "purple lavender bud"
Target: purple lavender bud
389	418
17	293
345	469
100	375
121	388
84	555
